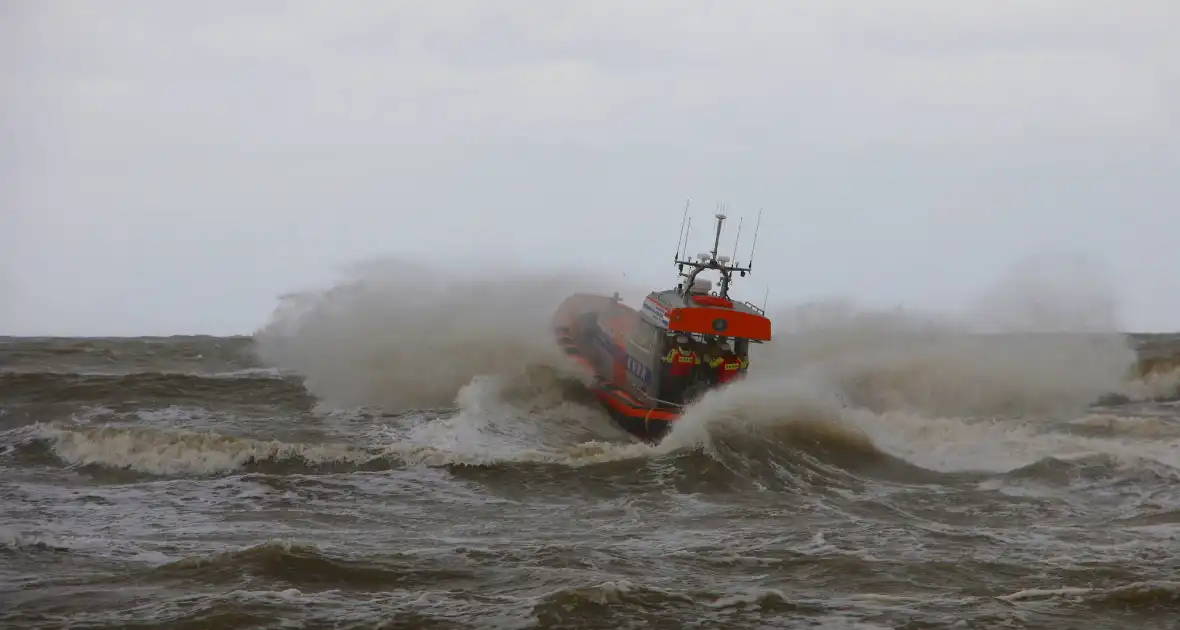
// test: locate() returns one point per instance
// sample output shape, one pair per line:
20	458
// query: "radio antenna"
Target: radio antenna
755	243
680	237
736	240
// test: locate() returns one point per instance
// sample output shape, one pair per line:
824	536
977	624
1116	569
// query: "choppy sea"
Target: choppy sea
184	482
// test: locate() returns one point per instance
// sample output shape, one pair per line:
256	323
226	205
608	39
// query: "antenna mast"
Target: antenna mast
750	265
738	239
720	222
710	261
681	237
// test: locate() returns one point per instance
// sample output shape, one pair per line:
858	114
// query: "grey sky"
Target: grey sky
172	167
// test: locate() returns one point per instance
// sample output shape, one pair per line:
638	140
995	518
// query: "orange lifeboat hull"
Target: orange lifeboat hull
603	357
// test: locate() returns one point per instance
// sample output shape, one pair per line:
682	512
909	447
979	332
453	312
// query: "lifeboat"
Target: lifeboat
622	348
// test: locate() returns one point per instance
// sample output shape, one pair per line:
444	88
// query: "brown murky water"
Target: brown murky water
174	483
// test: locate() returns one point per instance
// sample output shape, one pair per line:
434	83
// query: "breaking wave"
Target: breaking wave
1040	346
1043	340
180	452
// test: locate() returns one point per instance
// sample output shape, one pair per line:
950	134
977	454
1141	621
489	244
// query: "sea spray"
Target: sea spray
399	335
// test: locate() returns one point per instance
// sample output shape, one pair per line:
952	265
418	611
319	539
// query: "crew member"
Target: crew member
681	360
728	365
712	349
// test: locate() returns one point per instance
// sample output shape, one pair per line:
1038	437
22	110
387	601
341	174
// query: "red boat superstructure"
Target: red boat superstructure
622	347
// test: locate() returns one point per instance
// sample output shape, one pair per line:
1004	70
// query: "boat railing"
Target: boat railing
660	401
754	308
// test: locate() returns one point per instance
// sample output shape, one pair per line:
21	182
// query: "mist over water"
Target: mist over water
401	337
1038	346
908	361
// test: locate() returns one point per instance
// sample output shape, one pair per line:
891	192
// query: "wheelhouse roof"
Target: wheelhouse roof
675	311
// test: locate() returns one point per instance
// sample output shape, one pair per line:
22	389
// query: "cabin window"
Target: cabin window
645	336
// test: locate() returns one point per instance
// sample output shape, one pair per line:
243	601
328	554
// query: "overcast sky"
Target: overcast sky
171	167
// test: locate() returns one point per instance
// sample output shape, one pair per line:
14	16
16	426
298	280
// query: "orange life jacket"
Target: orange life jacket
682	362
728	367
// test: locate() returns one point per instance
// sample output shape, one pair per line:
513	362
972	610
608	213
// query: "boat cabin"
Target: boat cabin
705	319
632	349
692	311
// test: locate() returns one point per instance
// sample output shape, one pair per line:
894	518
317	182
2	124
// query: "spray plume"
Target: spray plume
399	336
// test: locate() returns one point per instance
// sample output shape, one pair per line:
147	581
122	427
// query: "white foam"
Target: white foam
180	451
